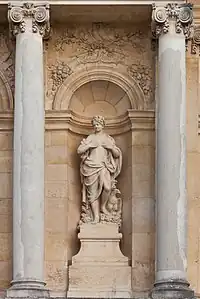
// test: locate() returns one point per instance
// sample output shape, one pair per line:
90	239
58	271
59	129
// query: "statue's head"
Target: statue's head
98	122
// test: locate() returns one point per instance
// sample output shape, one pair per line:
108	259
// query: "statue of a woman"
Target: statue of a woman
101	162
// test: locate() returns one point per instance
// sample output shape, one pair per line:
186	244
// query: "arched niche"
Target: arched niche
122	103
6	97
100	97
98	73
98	94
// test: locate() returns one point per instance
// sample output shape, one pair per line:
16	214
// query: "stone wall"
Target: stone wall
97	51
5	209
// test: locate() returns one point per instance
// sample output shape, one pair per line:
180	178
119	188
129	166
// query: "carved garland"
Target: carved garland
181	14
58	73
143	76
18	15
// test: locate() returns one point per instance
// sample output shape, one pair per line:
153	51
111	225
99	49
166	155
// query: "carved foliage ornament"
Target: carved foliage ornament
195	45
18	16
59	72
181	14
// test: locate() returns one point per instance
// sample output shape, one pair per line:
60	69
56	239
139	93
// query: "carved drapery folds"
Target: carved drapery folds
19	14
180	14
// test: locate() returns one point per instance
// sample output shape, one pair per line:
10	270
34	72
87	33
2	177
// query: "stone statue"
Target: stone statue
101	162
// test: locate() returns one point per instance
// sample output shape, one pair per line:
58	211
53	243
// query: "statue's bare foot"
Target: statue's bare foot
104	211
95	221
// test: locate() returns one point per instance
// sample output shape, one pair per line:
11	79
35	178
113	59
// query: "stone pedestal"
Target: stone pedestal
99	269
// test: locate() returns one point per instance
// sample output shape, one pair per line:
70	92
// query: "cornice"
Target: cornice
132	120
98	2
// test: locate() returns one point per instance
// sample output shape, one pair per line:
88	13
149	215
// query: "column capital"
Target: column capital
180	14
19	16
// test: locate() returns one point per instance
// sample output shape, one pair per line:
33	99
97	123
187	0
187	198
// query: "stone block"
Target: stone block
56	189
142	276
55	246
56	154
5	185
58	138
6	141
143	138
5	246
144	214
144	247
56	275
5	223
6	164
99	269
56	172
103	282
55	217
5	206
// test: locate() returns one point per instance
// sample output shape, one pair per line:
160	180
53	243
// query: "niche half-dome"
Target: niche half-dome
99	97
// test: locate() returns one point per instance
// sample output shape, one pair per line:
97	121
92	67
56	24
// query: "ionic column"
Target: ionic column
172	25
28	23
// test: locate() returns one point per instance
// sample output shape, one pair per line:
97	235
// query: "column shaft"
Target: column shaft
172	25
28	180
28	22
171	158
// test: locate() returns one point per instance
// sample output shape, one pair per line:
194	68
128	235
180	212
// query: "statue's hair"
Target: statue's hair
98	119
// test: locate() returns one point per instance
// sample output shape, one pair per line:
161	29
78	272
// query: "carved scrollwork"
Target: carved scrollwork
18	15
195	45
181	14
101	42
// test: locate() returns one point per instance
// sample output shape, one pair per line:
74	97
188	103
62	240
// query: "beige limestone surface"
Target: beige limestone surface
98	52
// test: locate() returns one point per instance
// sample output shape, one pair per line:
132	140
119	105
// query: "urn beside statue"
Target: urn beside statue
100	269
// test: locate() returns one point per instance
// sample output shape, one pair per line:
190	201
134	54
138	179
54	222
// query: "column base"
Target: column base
172	289
27	288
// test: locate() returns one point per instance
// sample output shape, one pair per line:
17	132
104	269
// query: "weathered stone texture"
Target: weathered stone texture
71	49
5	209
193	160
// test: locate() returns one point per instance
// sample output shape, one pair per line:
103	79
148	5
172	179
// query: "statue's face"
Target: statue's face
97	126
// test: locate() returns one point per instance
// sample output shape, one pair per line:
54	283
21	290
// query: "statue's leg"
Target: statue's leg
95	210
106	178
92	191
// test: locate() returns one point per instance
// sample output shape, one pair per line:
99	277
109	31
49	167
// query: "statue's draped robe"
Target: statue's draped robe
99	167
